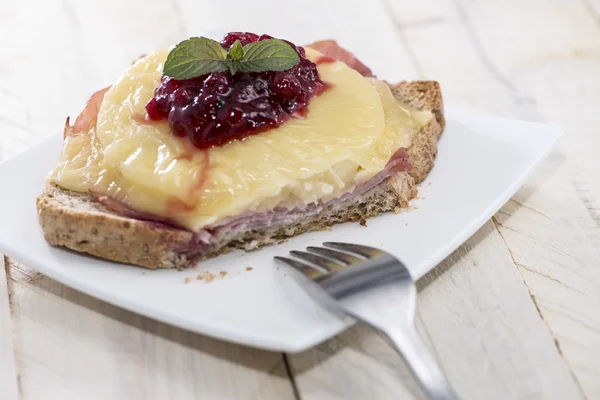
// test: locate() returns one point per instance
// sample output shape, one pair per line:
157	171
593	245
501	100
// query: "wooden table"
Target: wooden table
513	313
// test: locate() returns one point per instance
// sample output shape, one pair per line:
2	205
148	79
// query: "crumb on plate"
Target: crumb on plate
205	276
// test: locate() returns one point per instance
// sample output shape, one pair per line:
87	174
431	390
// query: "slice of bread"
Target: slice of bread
81	223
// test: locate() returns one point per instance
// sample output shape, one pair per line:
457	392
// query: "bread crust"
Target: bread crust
81	223
423	95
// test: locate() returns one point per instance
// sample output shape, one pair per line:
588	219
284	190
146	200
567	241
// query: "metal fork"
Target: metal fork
372	286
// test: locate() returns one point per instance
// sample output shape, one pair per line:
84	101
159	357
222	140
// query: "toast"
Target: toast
81	223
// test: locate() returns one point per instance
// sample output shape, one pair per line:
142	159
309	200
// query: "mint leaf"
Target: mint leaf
267	55
194	57
236	52
234	67
199	55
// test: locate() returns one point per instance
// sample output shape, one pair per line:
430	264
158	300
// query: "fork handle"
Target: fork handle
422	364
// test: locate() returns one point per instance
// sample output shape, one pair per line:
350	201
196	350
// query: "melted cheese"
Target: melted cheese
349	134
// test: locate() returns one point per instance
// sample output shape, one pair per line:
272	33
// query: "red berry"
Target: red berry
286	86
243	37
216	108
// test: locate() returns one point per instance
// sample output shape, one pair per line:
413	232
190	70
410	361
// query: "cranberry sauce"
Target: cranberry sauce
216	108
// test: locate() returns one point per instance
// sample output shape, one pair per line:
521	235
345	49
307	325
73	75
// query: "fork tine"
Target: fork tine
364	251
326	264
307	270
338	256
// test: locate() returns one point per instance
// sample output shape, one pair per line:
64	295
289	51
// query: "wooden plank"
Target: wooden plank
494	341
442	41
73	346
554	236
479	319
349	21
65	51
550	74
69	344
8	372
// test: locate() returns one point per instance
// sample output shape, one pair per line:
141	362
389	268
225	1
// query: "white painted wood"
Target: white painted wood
350	21
65	51
539	63
72	346
554	237
481	323
69	345
446	42
8	372
511	314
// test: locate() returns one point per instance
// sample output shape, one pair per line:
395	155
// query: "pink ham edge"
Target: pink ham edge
330	48
88	116
252	220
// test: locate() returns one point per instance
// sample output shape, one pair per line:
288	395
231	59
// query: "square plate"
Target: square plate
482	162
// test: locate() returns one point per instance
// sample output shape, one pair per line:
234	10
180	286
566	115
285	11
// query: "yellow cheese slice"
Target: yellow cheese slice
347	137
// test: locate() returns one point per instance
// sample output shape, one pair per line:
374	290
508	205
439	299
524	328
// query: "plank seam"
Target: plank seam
288	370
480	51
179	18
497	226
8	359
403	39
593	12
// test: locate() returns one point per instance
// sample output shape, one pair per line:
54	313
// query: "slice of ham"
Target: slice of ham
88	116
235	225
398	163
330	48
212	236
123	209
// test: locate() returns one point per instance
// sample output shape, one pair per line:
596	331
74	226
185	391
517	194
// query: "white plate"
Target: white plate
482	162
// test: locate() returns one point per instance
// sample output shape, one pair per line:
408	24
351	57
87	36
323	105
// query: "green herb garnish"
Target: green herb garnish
198	56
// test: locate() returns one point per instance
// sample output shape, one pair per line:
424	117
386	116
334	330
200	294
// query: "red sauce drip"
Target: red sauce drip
142	119
325	60
174	204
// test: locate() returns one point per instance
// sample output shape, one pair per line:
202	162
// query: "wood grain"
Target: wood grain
553	237
8	372
69	344
486	333
531	280
74	346
511	314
